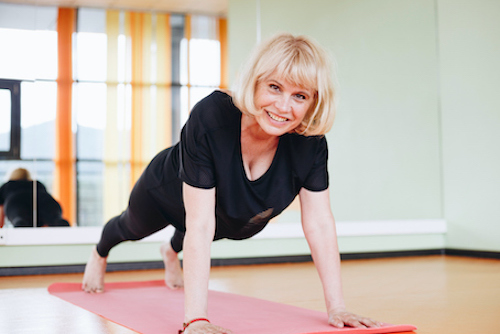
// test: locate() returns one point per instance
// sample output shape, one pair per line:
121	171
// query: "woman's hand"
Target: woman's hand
344	318
203	327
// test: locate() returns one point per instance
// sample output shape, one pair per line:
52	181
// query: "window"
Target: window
28	67
10	121
131	80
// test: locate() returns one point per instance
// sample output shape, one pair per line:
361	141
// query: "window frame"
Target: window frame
14	153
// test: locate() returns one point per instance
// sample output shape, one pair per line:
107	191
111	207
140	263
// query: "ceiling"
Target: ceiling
211	7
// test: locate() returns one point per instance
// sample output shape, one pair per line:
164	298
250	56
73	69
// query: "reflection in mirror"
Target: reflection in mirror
28	37
117	106
20	193
25	202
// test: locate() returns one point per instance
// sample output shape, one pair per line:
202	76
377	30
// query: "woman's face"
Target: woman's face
281	105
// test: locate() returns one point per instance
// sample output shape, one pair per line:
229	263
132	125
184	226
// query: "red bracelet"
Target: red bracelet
186	324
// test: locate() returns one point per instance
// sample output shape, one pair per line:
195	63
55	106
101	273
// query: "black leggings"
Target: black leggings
141	219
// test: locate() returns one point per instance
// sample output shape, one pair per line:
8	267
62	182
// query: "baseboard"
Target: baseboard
380	255
472	253
128	266
148	265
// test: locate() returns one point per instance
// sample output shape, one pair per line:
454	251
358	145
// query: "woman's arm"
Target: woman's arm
319	228
200	230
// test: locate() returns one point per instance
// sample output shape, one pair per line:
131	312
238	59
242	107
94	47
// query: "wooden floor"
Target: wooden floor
438	294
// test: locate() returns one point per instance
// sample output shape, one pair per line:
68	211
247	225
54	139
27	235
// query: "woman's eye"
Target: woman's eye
274	87
300	96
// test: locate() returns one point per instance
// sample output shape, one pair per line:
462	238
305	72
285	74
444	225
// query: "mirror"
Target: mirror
90	122
27	111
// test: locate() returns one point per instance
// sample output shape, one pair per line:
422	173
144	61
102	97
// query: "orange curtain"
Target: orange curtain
65	173
224	64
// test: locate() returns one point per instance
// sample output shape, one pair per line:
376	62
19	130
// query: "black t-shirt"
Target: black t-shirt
209	155
14	188
17	197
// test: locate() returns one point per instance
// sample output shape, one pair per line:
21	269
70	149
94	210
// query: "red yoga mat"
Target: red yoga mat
151	307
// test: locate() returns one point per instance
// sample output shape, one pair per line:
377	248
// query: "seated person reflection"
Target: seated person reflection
16	203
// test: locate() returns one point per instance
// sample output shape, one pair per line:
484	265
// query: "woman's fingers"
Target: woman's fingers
341	319
370	323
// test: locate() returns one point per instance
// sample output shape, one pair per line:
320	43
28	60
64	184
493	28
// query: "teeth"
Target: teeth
277	118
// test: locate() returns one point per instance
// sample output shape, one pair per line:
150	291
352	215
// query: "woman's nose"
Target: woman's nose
284	103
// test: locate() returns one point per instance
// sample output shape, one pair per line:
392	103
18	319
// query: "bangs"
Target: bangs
296	67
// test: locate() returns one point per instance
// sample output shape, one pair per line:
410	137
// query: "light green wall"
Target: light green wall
385	152
469	48
25	256
418	128
244	38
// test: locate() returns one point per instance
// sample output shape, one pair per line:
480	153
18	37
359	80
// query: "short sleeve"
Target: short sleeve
317	179
196	163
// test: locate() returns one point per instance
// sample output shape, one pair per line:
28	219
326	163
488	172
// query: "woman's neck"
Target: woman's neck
257	148
251	129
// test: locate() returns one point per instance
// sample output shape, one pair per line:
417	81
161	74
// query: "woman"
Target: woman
16	202
240	162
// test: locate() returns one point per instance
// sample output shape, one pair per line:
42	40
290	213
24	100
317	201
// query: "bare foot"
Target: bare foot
93	278
173	271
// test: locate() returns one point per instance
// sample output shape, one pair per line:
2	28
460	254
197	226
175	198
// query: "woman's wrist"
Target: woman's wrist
336	307
186	324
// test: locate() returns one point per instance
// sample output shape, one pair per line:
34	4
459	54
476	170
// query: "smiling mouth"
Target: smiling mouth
277	118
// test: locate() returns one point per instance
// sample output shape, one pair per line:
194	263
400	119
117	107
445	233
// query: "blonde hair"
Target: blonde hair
20	174
300	61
